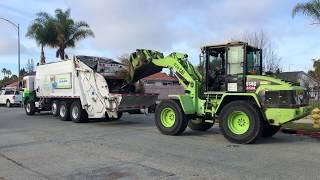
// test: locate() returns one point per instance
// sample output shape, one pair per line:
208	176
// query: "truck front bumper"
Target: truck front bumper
279	116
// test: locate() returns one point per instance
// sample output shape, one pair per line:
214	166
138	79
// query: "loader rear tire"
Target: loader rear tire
77	114
199	125
240	122
170	118
64	111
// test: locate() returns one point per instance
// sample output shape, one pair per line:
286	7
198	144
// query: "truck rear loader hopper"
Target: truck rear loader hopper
81	88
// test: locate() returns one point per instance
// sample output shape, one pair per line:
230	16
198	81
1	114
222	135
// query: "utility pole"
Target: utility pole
18	29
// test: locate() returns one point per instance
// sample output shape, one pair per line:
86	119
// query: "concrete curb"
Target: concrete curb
301	132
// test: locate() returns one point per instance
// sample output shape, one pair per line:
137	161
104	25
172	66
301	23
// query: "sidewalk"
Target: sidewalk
305	120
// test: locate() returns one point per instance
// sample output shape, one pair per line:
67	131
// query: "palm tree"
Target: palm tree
43	31
9	73
68	31
311	9
4	72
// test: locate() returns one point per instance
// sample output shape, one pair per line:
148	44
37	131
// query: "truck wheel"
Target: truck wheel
77	114
199	124
119	117
269	130
64	111
30	108
240	122
170	118
8	104
55	108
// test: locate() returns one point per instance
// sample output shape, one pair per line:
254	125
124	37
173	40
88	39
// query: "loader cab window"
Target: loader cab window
215	65
254	61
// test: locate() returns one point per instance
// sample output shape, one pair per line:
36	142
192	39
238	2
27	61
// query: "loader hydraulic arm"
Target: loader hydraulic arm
152	61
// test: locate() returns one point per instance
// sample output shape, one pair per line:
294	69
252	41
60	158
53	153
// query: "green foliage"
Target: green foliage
58	31
68	31
6	73
315	73
311	9
128	70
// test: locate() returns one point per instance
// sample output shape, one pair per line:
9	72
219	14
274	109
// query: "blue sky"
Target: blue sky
121	26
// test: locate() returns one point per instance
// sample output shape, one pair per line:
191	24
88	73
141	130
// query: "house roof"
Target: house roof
293	76
159	77
13	84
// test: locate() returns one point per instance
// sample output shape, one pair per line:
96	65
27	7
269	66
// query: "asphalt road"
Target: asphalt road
43	147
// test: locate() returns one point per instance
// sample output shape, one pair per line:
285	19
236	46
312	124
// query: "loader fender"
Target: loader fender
229	97
186	102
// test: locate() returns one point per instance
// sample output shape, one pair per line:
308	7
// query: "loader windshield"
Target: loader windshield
254	64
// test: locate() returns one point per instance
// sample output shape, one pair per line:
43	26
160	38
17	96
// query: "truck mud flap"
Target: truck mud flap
137	101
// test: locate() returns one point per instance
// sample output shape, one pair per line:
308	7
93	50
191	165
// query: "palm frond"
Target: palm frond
311	9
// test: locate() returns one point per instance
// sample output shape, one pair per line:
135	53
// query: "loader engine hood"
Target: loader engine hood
277	93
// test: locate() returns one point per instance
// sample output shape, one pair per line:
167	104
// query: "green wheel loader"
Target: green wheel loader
228	86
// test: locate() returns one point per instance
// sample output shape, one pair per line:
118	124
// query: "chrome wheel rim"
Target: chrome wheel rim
54	108
28	107
62	111
75	112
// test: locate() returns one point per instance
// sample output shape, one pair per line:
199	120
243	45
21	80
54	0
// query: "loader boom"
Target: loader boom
178	63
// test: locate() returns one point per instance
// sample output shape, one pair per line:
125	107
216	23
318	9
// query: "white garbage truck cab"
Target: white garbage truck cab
81	88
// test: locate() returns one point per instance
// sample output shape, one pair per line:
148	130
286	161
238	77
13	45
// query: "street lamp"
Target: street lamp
18	29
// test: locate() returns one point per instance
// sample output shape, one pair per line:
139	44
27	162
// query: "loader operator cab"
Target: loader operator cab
226	66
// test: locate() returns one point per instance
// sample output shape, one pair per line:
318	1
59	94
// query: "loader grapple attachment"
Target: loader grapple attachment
142	63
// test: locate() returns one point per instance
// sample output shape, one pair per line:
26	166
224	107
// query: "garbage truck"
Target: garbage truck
81	88
229	85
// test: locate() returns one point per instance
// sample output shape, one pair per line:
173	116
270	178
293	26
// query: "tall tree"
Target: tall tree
315	73
68	31
4	72
30	66
43	31
311	9
9	73
271	60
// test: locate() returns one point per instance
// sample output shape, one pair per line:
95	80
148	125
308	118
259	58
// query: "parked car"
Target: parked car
10	97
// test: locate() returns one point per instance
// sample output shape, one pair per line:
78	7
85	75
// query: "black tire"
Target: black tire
269	130
199	125
55	108
113	119
255	122
64	110
119	117
30	108
179	124
77	114
8	104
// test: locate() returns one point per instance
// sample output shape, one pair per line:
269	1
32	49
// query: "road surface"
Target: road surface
43	147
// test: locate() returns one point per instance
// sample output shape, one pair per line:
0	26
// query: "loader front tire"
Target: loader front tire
240	122
170	118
